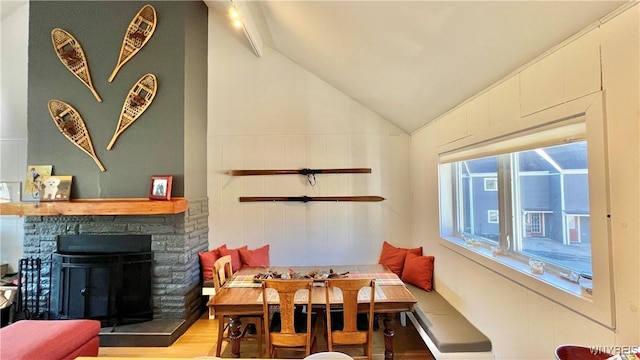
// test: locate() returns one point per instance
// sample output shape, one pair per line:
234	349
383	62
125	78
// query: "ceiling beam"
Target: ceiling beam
249	26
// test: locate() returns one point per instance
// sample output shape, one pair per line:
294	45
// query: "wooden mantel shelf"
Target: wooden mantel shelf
111	206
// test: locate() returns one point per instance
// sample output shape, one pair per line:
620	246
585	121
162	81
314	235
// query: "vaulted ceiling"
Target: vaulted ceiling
9	6
411	61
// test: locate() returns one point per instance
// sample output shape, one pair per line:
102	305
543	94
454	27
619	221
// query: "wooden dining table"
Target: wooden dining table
242	295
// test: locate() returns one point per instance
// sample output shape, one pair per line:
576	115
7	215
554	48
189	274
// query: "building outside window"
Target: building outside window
545	212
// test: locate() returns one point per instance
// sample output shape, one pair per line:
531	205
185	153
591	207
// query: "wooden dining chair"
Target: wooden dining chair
347	333
291	327
221	274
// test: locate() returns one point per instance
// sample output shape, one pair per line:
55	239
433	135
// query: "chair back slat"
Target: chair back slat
287	312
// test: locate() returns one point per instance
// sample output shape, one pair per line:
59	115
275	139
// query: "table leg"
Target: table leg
235	335
389	333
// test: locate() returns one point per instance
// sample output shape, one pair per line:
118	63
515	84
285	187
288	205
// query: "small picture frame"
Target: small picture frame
55	188
32	189
160	188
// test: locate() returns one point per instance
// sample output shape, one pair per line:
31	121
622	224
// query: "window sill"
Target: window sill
549	277
549	285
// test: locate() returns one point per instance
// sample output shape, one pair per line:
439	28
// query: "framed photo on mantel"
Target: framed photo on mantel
33	186
56	188
160	188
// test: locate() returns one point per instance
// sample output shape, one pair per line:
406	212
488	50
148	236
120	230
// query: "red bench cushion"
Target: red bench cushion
49	339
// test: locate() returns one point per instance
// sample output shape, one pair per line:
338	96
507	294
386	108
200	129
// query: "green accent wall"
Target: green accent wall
155	144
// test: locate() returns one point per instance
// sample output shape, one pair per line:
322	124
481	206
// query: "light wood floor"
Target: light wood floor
200	340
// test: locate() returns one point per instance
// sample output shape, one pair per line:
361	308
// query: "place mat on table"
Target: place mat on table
382	278
243	281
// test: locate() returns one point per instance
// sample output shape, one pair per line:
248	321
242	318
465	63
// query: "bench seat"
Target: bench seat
447	329
208	289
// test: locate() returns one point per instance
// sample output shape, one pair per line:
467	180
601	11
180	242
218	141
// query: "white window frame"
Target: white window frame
543	126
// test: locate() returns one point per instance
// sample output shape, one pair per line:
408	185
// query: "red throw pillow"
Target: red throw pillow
236	263
207	258
393	257
256	257
418	271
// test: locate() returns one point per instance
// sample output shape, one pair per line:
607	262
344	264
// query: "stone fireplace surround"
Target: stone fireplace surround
176	240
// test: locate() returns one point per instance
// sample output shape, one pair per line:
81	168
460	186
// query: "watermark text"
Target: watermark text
615	349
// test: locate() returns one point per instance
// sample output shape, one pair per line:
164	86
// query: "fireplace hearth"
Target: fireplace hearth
175	290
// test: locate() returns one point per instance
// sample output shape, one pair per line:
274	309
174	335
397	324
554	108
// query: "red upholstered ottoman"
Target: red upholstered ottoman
49	339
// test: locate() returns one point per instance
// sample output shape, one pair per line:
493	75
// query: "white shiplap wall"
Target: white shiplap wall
521	323
269	113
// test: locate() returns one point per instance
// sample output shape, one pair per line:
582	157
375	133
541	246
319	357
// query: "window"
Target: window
550	205
492	216
490	184
534	224
545	194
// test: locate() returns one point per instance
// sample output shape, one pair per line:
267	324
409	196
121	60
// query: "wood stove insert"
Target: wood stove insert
102	277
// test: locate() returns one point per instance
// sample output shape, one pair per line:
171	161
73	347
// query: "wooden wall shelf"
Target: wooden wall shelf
111	206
